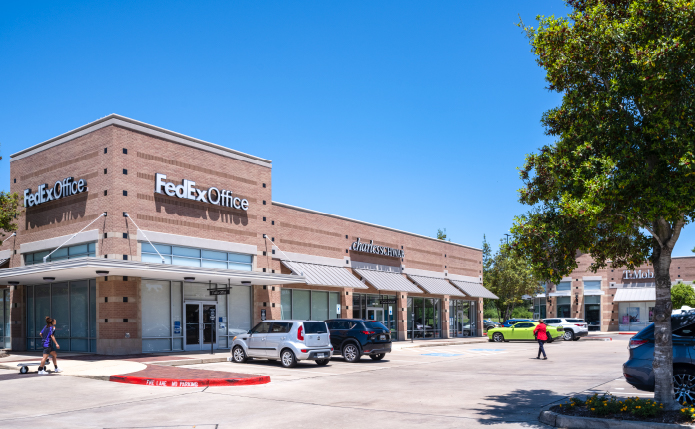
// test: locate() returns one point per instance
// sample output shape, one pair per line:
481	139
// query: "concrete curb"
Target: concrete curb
189	361
597	339
573	422
197	382
451	343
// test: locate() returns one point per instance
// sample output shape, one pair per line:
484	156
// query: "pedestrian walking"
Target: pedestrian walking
47	334
541	335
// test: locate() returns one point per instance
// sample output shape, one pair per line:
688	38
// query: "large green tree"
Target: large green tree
509	276
619	180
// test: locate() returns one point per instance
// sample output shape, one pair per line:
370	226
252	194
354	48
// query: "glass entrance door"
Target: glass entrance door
375	314
201	323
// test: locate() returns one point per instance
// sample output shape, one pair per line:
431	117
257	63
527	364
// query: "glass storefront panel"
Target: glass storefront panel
239	318
156	314
634	316
564	306
286	304
319	305
301	304
333	305
72	305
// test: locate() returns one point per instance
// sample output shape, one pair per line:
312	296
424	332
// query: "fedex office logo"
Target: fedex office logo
61	188
187	190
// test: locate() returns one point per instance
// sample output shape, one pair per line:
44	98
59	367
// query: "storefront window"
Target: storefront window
73	305
165	327
380	308
564	305
300	304
539	308
634	316
426	319
562	286
461	314
194	257
72	252
5	329
592	285
592	311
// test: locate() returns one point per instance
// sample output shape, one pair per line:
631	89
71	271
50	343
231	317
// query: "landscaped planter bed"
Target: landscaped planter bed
632	409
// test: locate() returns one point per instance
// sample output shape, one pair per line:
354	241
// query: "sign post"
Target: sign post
212	331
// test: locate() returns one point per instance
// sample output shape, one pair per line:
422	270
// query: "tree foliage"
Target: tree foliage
619	181
9	210
683	294
509	276
441	234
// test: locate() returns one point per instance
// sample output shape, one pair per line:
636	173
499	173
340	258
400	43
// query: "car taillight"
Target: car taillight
579	324
304	350
636	343
300	337
367	332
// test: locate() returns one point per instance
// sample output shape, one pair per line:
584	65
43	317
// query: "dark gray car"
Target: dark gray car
638	369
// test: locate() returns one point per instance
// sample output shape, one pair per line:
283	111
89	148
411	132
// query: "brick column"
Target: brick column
402	315
479	318
118	315
346	303
268	298
446	317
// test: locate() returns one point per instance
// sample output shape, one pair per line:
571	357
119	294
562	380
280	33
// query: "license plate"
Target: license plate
319	355
382	337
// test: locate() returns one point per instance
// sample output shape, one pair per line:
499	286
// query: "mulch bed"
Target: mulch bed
665	417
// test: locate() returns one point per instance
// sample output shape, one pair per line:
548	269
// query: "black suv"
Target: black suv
353	338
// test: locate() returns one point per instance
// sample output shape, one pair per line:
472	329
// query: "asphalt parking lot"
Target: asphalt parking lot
490	384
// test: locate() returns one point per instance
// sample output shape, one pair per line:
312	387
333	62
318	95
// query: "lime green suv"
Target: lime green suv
522	331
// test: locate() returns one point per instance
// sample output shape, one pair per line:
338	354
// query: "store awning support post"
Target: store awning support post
73	236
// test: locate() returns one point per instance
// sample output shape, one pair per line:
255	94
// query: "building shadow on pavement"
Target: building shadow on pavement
520	406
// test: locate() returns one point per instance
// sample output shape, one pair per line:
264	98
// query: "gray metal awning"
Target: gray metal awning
475	290
383	280
635	294
85	268
436	286
325	275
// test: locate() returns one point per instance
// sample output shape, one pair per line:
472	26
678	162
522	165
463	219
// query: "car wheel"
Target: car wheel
322	362
497	337
351	353
288	359
684	385
239	355
380	356
568	335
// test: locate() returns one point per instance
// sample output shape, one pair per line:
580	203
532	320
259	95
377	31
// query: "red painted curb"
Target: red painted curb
196	382
627	333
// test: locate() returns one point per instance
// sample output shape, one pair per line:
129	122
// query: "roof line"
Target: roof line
289	206
116	119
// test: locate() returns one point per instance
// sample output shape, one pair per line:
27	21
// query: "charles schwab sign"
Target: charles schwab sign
61	189
358	246
188	190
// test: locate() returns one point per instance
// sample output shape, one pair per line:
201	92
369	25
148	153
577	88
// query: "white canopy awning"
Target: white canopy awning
588	292
383	280
475	290
325	275
436	286
85	268
561	293
635	294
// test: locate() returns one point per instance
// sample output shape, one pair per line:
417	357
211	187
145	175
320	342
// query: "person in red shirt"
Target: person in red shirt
541	335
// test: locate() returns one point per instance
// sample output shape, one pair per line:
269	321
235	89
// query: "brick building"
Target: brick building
134	238
610	299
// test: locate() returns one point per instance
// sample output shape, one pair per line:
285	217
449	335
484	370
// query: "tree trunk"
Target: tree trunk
663	347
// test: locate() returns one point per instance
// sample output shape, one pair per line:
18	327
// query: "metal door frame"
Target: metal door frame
201	345
376	309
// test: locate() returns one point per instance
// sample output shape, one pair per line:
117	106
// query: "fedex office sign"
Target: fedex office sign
187	190
61	188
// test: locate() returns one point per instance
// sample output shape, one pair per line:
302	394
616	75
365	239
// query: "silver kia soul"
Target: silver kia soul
287	340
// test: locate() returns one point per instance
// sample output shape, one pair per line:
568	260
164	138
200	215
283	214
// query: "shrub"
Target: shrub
605	405
521	313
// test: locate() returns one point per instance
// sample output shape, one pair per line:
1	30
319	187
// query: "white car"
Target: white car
290	341
574	328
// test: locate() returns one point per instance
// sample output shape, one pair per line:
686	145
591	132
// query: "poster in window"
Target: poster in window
651	314
633	312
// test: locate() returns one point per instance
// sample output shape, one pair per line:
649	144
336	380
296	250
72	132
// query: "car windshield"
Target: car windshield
315	327
374	325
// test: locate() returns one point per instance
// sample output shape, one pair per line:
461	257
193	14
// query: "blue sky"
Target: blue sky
413	115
